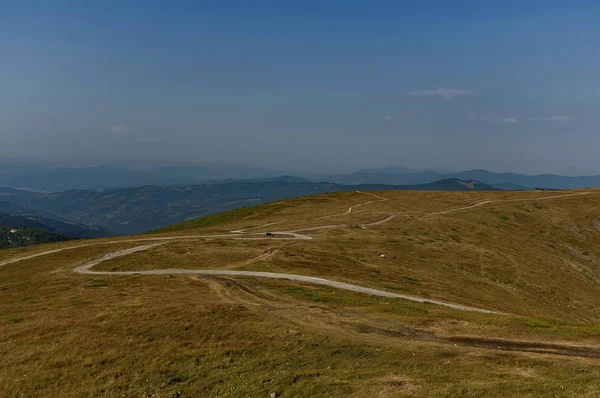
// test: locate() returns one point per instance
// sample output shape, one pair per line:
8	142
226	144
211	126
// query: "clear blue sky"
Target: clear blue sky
304	85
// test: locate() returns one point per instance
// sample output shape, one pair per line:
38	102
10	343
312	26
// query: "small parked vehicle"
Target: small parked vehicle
270	235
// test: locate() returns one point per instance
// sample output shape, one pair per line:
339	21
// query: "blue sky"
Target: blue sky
311	85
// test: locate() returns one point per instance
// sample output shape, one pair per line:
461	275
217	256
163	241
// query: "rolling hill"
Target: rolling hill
362	293
135	210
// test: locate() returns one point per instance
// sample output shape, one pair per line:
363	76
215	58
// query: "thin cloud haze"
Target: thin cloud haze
120	129
441	93
553	119
495	120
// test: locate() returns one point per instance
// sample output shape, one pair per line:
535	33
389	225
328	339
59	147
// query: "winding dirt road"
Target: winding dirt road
287	235
86	269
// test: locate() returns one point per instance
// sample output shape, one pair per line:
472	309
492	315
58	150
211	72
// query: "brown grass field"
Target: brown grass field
64	334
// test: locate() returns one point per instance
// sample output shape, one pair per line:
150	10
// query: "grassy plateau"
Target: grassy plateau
532	257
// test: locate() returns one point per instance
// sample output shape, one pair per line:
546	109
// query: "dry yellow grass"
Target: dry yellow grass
69	335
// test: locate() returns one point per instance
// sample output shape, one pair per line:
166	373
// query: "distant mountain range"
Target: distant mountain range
63	179
12	214
58	179
98	201
506	181
19	231
139	209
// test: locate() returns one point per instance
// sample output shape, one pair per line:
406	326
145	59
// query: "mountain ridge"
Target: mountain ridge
51	222
139	209
61	179
520	181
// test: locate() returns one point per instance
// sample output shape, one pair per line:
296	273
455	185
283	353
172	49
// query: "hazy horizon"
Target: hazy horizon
311	88
70	163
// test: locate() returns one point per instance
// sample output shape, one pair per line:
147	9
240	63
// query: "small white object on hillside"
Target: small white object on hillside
382	255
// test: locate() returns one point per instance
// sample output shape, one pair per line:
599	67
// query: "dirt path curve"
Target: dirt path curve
86	269
381	199
292	236
288	235
473	206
